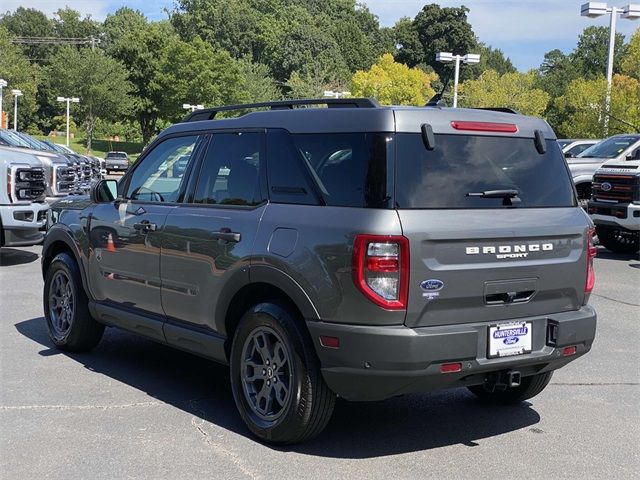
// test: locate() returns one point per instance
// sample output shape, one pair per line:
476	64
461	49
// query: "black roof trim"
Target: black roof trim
210	113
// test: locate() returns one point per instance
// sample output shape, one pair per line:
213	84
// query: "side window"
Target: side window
159	177
287	182
230	173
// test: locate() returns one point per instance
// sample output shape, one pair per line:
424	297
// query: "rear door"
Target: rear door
475	258
208	239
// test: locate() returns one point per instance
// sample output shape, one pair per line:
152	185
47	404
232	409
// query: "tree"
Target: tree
513	90
592	52
97	79
583	107
29	22
436	30
19	74
67	23
140	46
257	83
490	59
393	83
630	65
213	77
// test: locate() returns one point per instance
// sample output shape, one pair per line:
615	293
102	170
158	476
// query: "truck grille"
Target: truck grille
29	184
616	188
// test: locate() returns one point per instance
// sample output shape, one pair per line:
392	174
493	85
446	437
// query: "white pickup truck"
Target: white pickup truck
23	210
615	205
619	149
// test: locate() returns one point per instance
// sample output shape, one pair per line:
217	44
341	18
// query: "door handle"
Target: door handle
145	226
226	235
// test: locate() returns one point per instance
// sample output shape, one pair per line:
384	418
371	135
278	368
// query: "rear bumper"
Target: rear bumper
373	363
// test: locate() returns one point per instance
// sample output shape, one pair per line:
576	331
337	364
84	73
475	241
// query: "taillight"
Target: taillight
381	269
485	127
592	251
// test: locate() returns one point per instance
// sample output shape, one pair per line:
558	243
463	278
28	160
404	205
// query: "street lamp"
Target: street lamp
193	108
332	94
3	83
469	58
16	94
68	100
595	10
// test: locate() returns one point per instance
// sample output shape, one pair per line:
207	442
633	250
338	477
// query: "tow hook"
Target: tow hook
502	380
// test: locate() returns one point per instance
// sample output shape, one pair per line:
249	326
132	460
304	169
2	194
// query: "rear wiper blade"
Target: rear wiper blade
509	197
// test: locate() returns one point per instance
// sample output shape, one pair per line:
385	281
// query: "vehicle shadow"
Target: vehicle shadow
12	256
357	430
605	254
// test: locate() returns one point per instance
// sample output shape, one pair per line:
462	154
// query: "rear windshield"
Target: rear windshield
117	155
464	164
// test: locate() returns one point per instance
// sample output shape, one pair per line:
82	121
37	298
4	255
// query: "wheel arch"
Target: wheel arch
59	241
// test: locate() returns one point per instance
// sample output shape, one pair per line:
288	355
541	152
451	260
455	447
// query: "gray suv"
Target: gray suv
356	251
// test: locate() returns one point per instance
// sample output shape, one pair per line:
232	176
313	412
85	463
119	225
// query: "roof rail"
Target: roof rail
210	113
499	109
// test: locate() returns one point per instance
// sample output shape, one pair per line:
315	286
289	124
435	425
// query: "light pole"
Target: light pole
3	83
595	10
68	100
332	94
16	94
469	58
193	108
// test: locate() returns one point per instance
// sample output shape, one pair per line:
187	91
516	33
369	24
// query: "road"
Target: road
134	409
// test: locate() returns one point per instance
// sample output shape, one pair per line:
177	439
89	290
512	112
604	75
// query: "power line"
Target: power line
93	41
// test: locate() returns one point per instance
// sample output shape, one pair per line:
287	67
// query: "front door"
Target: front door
209	239
125	235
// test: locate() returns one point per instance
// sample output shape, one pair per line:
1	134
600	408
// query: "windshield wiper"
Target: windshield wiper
509	197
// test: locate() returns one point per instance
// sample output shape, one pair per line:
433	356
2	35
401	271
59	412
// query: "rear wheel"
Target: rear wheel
529	388
71	327
618	240
276	379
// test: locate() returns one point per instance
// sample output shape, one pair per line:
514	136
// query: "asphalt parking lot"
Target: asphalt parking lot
136	409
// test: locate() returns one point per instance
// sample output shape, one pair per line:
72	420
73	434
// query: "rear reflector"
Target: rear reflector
329	342
485	127
568	351
450	367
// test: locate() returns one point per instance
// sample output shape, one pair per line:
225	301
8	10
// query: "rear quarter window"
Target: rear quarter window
462	164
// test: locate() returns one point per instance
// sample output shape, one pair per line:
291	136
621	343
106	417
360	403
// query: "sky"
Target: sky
523	29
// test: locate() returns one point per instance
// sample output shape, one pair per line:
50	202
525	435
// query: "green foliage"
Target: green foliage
630	65
29	22
513	90
590	55
257	83
19	74
583	107
98	80
393	83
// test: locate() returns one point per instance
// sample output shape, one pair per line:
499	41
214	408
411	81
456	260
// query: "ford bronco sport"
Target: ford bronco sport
356	251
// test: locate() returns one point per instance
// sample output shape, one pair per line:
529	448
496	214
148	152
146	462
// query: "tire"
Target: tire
584	194
66	307
529	388
618	240
270	333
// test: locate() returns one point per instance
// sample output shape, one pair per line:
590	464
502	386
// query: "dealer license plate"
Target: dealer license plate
506	339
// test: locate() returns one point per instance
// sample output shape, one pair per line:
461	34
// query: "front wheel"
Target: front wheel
276	379
529	388
66	307
618	240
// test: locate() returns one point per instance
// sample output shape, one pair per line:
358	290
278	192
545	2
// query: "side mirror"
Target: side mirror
568	155
104	191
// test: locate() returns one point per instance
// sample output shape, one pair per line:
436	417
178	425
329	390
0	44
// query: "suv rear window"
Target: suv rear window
117	155
462	164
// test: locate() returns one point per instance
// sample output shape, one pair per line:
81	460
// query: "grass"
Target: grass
99	147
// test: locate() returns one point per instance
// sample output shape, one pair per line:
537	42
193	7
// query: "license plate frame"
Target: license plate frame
509	339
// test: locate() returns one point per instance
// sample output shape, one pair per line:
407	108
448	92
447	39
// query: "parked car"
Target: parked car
116	161
357	251
58	169
572	148
615	205
23	210
619	148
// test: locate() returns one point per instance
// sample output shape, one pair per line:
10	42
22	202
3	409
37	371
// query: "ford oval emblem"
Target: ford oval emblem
606	187
511	340
432	285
